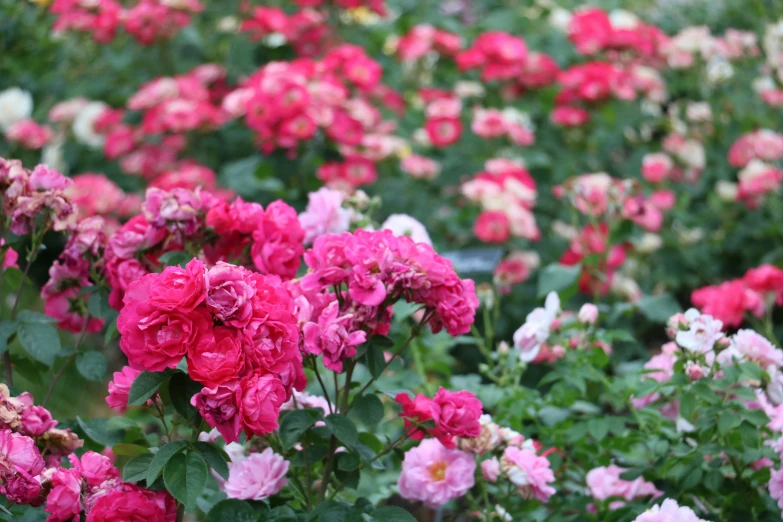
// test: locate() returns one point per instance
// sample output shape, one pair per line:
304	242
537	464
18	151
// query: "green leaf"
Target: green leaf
162	457
658	308
688	405
756	417
391	514
7	329
101	432
41	341
181	389
347	461
375	361
343	428
558	278
382	341
145	386
136	468
727	421
31	317
130	450
111	331
98	304
175	258
231	510
215	457
598	428
92	365
368	409
295	423
185	477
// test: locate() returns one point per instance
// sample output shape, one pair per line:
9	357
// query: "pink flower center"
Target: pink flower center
438	471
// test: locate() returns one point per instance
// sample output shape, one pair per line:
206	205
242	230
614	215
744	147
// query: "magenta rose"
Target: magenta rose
132	506
217	359
94	467
180	289
230	294
23	489
260	398
36	420
218	406
119	388
275	255
121	273
64	500
19	453
152	339
458	413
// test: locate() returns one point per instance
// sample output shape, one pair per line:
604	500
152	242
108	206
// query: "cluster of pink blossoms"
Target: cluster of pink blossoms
755	153
494	123
604	483
146	20
29	134
372	270
306	30
507	194
669	511
423	39
169	107
237	330
593	31
31	453
759	289
286	103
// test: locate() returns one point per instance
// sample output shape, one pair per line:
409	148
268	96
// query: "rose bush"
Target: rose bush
391	260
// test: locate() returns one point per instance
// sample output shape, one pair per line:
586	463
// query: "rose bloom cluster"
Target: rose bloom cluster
593	240
453	414
306	30
372	270
758	290
435	474
146	20
91	485
494	123
237	330
507	194
604	483
424	39
697	42
169	107
754	153
270	240
286	103
593	30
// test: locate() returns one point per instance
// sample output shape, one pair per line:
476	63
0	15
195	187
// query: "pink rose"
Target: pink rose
218	406
258	476
260	398
490	469
119	388
23	489
152	339
94	468
229	294
178	289
530	473
218	358
131	506
433	474
458	413
331	337
36	420
18	454
64	500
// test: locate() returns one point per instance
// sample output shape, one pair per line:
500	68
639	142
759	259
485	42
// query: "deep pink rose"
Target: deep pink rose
260	398
64	500
458	413
36	420
23	489
180	289
119	388
218	358
152	339
230	294
276	256
218	406
18	453
131	506
94	467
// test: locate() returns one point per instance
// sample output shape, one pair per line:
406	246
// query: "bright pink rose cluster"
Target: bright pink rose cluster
29	134
423	39
96	195
237	330
762	144
448	415
589	241
286	103
730	300
146	20
375	269
306	30
507	194
592	31
270	240
493	123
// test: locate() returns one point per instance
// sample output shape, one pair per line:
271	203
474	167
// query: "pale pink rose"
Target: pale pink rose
604	483
258	476
588	314
324	214
656	167
530	473
490	469
669	511
433	474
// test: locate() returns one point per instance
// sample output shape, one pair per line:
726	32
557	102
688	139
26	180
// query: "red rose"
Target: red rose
260	397
217	359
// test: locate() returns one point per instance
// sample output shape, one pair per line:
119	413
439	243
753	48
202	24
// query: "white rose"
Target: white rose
405	225
15	105
84	125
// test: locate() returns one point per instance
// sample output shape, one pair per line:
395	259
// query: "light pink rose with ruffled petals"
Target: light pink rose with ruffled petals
433	474
258	476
